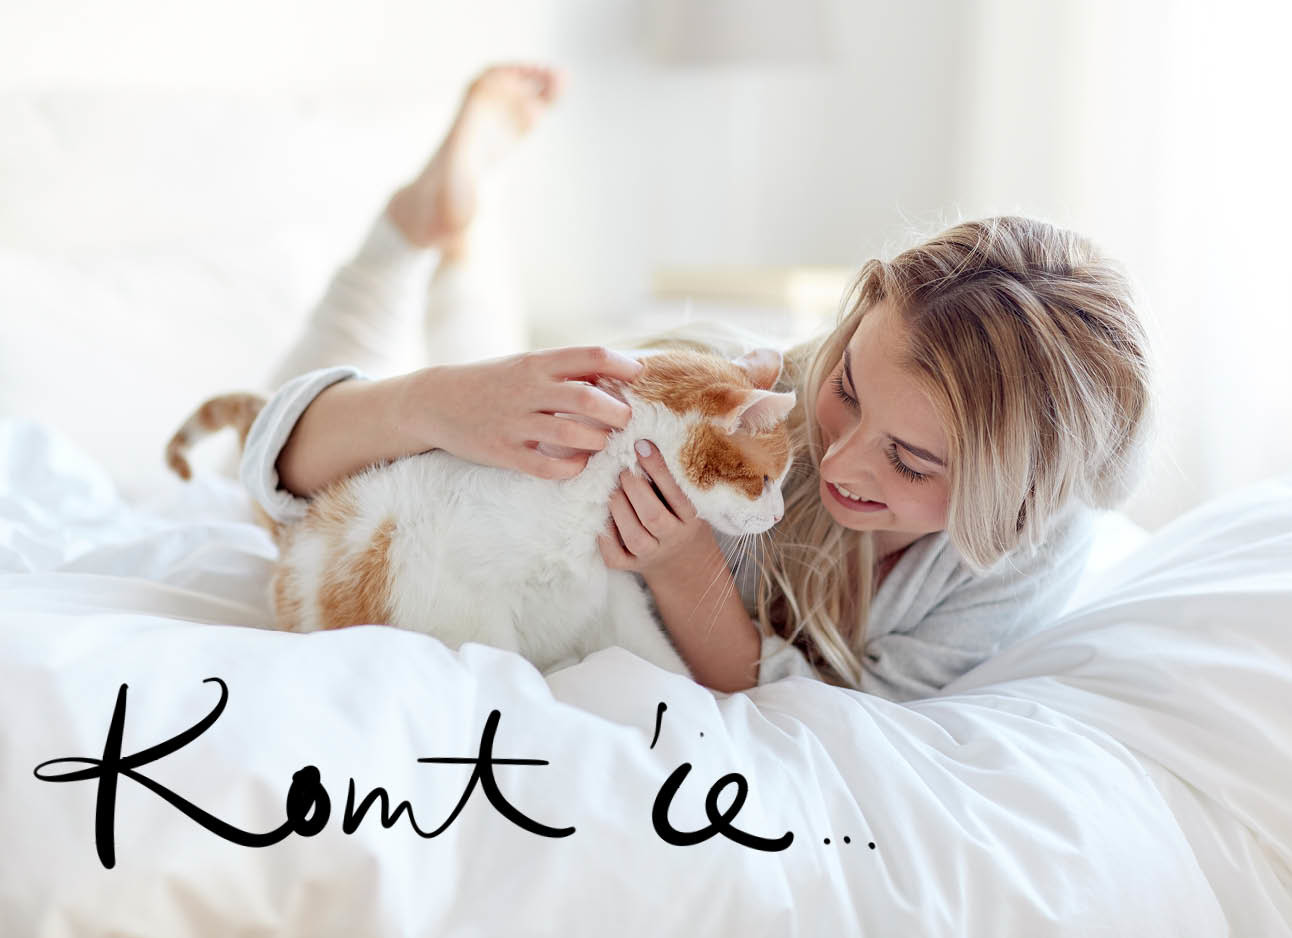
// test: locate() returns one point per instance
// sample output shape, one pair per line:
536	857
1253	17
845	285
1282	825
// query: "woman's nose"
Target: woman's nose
848	447
846	457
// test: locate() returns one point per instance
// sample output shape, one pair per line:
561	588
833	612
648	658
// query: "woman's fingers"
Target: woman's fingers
651	512
608	554
581	361
657	469
636	538
565	431
571	397
615	556
612	548
538	464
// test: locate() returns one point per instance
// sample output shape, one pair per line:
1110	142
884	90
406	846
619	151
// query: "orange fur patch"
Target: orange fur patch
288	608
275	528
356	590
331	512
690	382
210	414
710	455
238	410
287	605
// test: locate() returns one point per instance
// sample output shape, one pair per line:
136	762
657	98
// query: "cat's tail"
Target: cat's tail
236	410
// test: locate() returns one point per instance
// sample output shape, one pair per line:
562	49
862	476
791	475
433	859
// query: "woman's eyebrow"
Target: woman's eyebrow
922	453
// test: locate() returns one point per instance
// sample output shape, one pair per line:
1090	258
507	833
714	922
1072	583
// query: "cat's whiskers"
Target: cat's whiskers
730	587
717	573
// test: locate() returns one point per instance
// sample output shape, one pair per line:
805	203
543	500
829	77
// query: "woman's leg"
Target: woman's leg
368	315
473	309
375	302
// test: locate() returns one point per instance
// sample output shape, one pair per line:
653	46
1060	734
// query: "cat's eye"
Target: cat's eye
767	480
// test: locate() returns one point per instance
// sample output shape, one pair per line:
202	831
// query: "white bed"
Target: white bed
1125	772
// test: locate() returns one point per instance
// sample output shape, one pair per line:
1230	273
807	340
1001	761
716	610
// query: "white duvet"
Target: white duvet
1126	772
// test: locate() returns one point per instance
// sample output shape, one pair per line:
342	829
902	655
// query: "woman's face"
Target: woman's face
880	440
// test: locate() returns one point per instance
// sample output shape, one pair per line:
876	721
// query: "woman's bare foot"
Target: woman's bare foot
500	106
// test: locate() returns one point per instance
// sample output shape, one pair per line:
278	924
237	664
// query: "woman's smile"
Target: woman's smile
854	504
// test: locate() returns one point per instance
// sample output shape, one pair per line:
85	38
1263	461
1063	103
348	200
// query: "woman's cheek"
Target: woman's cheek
934	509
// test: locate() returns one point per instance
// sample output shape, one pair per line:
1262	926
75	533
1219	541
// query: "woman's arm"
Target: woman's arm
698	602
349	426
493	412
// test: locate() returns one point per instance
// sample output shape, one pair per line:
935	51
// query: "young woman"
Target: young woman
983	393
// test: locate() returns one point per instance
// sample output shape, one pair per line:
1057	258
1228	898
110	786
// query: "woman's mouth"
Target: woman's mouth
853	504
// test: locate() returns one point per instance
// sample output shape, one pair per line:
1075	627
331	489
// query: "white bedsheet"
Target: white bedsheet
1123	773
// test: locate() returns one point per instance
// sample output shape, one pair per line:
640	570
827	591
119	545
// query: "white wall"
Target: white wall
1158	129
178	180
642	164
282	126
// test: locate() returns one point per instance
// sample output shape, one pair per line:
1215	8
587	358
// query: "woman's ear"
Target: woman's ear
757	410
763	365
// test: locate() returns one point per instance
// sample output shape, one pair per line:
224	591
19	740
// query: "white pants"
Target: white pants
395	307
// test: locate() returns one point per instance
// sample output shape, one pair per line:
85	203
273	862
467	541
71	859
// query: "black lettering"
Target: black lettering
307	792
483	773
112	765
354	816
719	822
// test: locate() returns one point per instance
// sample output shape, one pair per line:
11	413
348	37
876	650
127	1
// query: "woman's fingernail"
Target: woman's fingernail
643	448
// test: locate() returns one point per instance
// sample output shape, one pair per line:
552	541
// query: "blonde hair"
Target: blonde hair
1025	339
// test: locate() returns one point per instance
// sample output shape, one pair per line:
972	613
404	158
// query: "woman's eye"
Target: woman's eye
901	467
843	395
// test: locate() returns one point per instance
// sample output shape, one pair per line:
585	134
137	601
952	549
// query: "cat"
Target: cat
467	552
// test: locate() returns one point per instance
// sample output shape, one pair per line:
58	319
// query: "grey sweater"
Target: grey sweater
932	619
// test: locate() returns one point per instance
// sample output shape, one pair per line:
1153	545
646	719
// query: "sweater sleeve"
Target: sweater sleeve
269	433
1020	596
779	659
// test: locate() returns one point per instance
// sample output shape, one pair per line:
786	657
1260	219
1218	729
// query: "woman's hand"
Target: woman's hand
650	536
496	412
678	556
493	412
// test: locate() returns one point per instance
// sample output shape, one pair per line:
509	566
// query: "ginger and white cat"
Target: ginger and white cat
466	552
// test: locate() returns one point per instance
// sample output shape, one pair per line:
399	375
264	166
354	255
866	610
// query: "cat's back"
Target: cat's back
456	522
429	529
470	552
442	498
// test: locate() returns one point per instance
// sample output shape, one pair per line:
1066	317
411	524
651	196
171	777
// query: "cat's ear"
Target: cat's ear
757	410
763	365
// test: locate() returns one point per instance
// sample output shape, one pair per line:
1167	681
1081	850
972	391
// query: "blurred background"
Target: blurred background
178	180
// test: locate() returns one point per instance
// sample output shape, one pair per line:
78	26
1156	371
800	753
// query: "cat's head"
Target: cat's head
722	431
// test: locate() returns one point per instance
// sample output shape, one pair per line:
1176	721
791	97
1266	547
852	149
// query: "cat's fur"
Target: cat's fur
467	552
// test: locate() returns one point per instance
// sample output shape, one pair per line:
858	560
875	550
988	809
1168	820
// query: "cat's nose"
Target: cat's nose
776	518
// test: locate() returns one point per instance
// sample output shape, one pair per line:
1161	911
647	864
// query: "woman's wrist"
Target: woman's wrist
348	427
413	426
697	599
